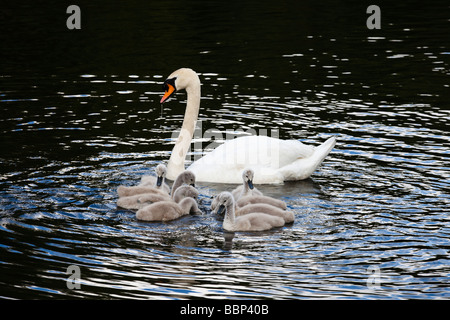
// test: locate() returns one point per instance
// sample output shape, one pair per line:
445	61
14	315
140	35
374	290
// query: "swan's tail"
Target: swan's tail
303	168
320	154
323	150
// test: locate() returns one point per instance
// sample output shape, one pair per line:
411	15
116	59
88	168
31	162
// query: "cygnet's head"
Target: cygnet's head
188	177
183	78
214	203
188	192
224	200
247	175
161	172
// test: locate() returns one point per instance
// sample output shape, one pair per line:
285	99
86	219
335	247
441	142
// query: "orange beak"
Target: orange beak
168	93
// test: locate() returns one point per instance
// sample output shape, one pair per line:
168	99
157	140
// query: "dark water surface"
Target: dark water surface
81	116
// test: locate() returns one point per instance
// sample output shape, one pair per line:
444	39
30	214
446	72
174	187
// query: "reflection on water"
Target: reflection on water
377	207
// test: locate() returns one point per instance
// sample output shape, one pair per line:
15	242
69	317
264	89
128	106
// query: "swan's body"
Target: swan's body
273	160
254	221
247	188
167	210
159	181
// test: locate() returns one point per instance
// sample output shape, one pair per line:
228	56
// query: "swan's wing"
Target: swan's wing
265	155
252	151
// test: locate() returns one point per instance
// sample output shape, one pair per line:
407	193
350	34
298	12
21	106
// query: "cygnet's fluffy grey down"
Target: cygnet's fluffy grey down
136	197
288	216
247	188
261	199
124	191
186	177
141	200
167	210
159	181
185	192
255	221
252	200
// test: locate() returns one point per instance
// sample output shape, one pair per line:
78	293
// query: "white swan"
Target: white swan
254	221
247	188
159	181
273	160
167	210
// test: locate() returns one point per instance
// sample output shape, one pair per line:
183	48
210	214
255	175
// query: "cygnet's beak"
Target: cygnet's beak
221	209
159	181
250	184
169	90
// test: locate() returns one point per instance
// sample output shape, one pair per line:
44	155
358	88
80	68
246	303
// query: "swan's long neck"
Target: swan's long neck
179	151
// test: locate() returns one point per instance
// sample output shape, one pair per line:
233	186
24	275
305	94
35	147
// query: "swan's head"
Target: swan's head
183	78
247	175
224	200
161	172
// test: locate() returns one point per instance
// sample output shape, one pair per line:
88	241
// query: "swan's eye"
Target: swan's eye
168	83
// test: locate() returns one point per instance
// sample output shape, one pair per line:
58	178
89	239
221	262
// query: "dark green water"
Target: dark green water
81	116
